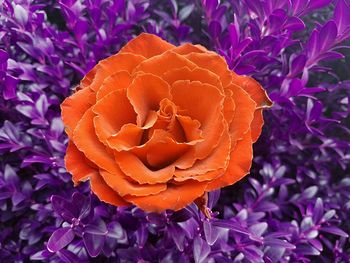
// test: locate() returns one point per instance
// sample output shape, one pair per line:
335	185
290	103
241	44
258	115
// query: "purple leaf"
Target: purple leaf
60	238
234	33
67	256
62	207
214	29
10	85
341	15
21	14
96	228
273	242
213	198
178	235
211	5
318	211
330	55
294	24
115	230
328	34
93	243
266	206
317	244
141	236
231	226
211	232
306	249
315	4
258	229
185	12
297	65
334	230
41	255
200	250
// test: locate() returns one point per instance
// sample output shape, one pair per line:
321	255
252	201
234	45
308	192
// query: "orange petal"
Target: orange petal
244	112
229	106
77	164
161	150
175	197
73	108
239	165
89	77
133	167
254	89
130	135
112	112
196	99
217	160
145	94
119	80
257	124
191	128
146	45
200	74
123	186
187	48
207	110
87	142
208	176
111	65
158	65
104	192
214	63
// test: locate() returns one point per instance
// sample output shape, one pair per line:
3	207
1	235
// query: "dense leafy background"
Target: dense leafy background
295	205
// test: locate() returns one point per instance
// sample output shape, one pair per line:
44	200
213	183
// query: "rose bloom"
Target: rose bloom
158	126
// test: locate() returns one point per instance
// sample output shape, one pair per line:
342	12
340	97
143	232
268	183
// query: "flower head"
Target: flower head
158	126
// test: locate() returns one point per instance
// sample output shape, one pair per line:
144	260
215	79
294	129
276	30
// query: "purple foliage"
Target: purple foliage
295	205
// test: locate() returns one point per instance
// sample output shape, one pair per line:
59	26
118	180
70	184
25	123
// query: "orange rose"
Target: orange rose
157	126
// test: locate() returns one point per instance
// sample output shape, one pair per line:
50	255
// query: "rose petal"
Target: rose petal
133	167
158	65
77	164
87	142
229	106
104	192
254	89
112	112
196	99
167	120
73	108
175	197
119	80
214	63
145	93
191	128
146	45
207	110
199	74
162	150
130	135
124	186
244	112
207	176
187	48
89	77
109	66
257	124
217	160
239	165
